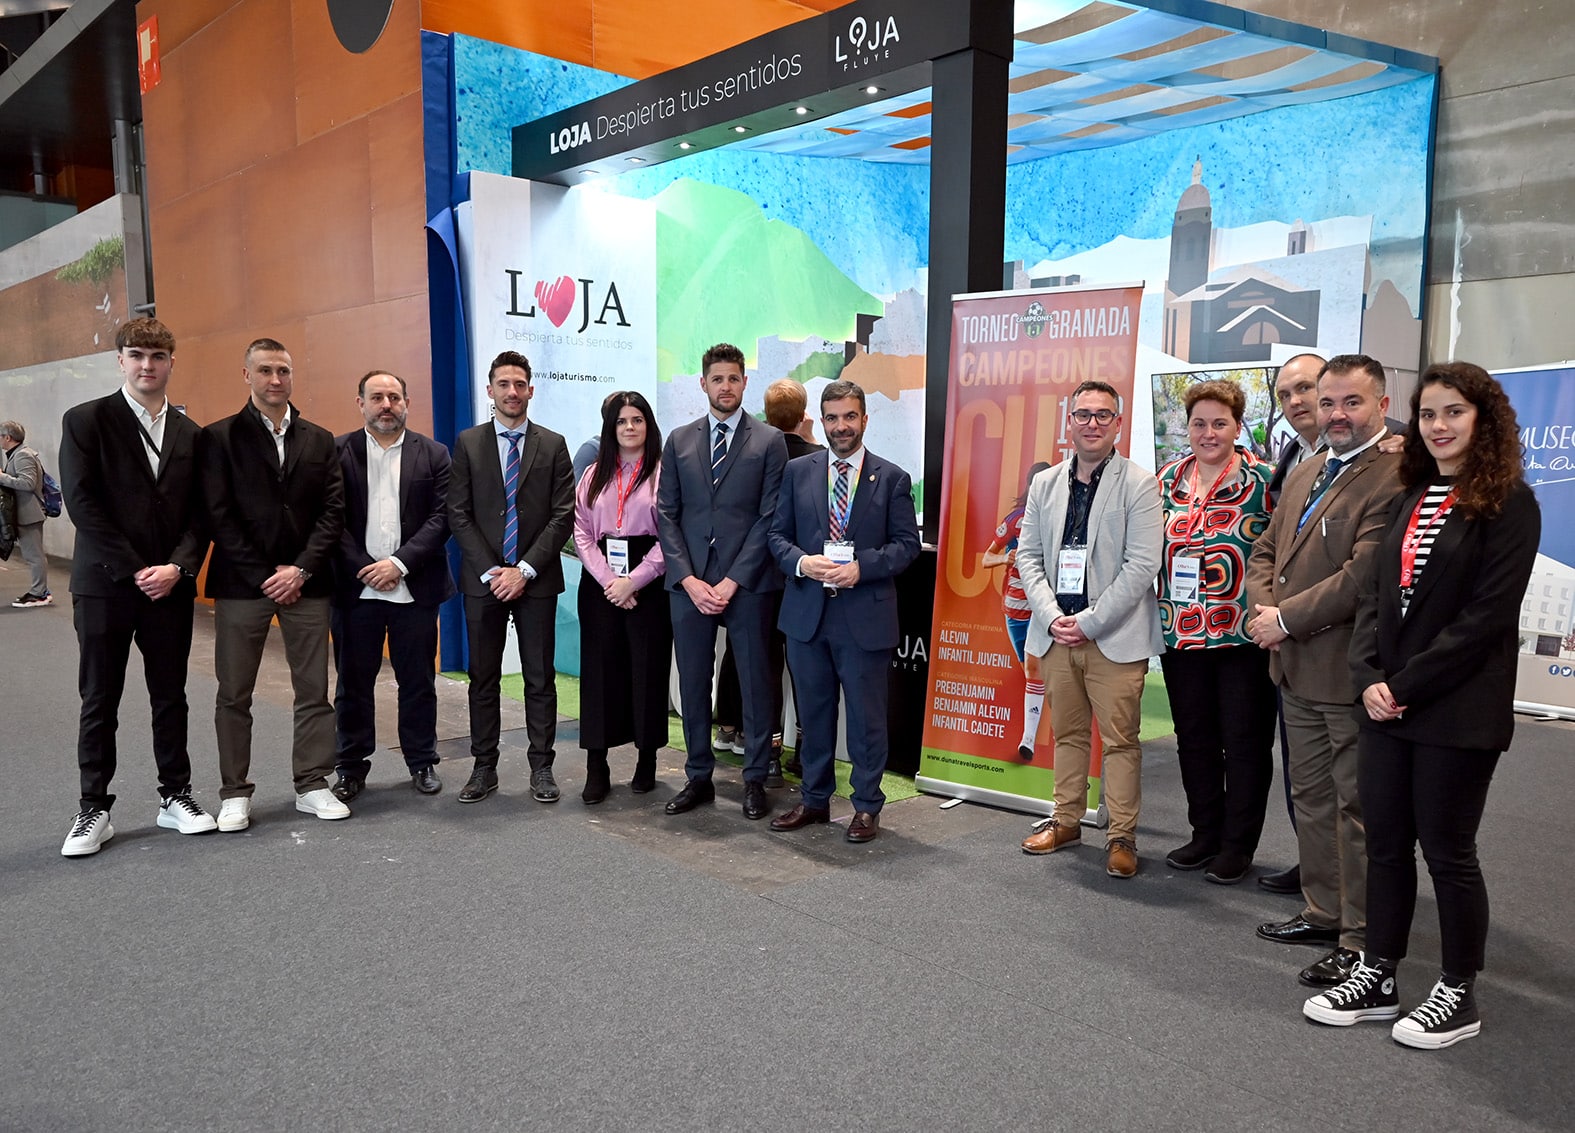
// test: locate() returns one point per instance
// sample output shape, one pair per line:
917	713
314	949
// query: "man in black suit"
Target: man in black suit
390	576
844	529
511	508
720	478
128	469
275	501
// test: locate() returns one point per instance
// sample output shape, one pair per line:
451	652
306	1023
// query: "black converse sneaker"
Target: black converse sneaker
1448	1015
1368	993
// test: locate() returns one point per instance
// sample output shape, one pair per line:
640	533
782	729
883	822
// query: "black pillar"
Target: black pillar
967	210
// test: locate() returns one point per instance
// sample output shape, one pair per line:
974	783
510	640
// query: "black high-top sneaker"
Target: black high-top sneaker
1448	1015
1368	994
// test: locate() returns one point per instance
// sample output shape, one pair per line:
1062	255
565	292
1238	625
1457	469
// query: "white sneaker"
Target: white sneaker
322	803
178	812
235	814
89	831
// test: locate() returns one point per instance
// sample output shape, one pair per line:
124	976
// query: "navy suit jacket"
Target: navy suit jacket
423	519
882	527
720	532
543	502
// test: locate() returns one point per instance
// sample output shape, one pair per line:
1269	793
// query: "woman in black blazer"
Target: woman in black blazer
1434	655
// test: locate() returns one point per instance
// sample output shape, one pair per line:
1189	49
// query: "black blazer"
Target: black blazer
544	504
423	519
797	446
720	532
125	517
262	516
1451	660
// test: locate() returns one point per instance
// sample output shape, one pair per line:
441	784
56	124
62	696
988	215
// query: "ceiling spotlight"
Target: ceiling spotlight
587	173
635	160
740	129
872	89
685	145
801	110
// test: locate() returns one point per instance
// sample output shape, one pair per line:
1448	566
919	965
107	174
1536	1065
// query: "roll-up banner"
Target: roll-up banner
1016	357
1544	401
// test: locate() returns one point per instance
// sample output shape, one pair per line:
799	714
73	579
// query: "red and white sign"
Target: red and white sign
148	72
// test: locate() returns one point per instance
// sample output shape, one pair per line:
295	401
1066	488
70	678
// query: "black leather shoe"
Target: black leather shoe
1298	930
347	787
1286	881
1228	867
800	817
863	827
1194	855
793	765
695	792
426	780
543	788
1334	968
755	804
483	781
774	770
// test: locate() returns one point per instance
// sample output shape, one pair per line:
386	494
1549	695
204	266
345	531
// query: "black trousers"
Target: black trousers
1223	704
106	628
626	660
1433	795
487	627
358	631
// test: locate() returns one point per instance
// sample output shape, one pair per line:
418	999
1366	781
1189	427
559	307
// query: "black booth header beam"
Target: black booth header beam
823	64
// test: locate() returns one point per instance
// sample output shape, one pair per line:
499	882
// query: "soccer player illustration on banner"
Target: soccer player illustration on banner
1018	613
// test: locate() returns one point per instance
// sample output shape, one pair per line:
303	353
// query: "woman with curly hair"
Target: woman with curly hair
1434	655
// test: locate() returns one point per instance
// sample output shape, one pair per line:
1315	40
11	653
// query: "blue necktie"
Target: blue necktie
718	451
1331	469
511	483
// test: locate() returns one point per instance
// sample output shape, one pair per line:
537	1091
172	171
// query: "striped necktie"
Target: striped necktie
1331	469
718	452
511	483
839	502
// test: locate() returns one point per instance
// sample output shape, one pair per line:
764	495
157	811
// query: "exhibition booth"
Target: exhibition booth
1160	193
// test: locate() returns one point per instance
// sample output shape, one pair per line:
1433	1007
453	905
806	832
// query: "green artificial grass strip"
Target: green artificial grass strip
1156	709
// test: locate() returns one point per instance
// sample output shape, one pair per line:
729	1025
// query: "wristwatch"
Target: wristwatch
304	575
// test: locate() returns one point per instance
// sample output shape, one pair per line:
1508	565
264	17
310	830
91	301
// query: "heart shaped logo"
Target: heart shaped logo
556	298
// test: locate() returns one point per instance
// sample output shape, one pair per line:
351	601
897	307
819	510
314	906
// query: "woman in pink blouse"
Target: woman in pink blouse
626	637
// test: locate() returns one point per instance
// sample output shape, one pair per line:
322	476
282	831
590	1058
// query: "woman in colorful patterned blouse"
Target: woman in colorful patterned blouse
1222	701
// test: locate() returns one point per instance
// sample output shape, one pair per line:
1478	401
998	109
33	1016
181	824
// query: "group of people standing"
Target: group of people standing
1365	593
343	541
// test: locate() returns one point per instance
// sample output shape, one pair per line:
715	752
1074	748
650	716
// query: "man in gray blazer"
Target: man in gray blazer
720	479
1089	550
23	473
1303	579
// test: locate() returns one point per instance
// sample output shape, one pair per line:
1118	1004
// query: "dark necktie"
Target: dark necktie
1331	469
511	483
718	451
839	501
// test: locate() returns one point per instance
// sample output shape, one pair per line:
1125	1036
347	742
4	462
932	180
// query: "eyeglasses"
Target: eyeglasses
1084	416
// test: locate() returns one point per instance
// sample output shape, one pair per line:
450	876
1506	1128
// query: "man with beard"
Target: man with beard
844	529
390	577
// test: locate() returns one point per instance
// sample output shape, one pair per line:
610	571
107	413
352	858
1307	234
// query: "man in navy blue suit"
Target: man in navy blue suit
844	529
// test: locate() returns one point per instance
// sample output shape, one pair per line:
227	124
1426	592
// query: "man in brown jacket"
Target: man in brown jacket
1302	584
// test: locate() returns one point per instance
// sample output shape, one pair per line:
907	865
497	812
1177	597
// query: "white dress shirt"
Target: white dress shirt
382	513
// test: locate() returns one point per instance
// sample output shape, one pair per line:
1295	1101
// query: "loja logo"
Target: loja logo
570	137
556	299
867	40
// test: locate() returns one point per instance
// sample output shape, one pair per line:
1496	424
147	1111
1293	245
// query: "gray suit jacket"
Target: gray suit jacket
1125	549
24	475
717	532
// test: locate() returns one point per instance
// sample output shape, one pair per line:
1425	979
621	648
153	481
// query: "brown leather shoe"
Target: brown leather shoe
864	827
800	816
1052	838
1121	858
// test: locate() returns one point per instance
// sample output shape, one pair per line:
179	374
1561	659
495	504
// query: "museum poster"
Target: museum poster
1015	359
1544	401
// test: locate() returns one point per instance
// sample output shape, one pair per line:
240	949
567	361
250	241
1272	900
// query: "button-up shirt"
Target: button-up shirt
152	425
382	513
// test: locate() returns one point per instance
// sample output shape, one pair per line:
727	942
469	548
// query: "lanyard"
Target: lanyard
624	494
1412	541
1197	509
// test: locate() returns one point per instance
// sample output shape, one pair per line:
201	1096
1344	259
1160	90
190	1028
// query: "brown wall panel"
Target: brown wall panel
179	20
209	368
561	29
398	207
240	101
199	260
335	86
167	137
308	228
342	345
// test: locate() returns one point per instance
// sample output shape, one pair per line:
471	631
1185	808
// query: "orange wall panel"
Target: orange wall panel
308	228
561	29
198	263
342	345
179	20
398	205
240	96
335	86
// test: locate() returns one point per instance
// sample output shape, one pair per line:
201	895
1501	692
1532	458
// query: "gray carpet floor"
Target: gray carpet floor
509	965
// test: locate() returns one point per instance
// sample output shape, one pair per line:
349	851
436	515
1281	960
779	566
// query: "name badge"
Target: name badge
1071	567
618	556
1186	573
839	551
